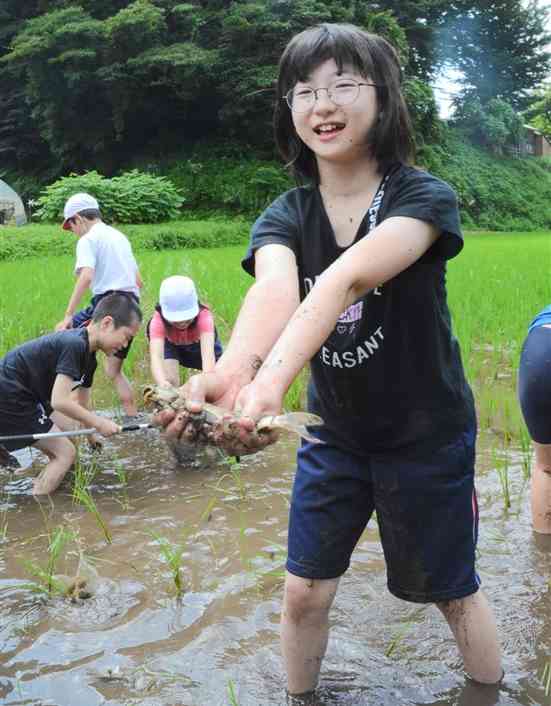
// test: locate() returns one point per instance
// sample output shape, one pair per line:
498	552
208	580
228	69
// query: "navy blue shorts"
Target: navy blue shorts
82	317
426	509
189	356
20	414
534	384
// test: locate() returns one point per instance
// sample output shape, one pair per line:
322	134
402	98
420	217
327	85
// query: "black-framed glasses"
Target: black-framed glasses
343	91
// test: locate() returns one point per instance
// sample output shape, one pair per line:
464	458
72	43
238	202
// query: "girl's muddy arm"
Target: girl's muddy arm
156	361
208	359
266	309
391	248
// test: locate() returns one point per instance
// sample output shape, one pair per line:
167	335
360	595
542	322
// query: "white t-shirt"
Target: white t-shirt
109	253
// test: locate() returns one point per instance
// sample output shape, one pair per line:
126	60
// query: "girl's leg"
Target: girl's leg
541	489
113	370
62	454
473	625
305	629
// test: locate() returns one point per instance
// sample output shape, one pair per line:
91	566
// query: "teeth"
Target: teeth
327	128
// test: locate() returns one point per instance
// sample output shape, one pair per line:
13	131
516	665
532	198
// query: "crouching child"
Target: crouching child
44	384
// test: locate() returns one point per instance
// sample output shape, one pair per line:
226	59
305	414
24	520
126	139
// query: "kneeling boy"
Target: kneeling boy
37	380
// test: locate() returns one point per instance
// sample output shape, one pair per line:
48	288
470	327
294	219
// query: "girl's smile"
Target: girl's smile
330	130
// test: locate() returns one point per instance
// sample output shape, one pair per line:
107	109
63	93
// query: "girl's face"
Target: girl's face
182	325
336	133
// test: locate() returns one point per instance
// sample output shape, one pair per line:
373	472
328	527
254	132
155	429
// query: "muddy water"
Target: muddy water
135	642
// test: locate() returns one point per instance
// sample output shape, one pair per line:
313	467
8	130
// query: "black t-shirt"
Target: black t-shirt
390	374
31	368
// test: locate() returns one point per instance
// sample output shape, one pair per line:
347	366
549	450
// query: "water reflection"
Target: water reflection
140	644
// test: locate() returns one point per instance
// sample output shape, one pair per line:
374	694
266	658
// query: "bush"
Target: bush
132	197
228	183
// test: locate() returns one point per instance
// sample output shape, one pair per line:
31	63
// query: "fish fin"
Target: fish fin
306	419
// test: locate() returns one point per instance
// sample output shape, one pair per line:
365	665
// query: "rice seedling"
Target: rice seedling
273	578
501	464
397	639
234	472
232	695
403	630
172	554
546	678
82	496
525	450
45	582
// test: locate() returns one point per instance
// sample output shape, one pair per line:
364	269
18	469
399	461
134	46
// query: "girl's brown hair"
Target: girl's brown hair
390	140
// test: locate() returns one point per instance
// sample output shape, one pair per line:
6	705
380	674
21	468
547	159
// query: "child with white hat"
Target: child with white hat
181	332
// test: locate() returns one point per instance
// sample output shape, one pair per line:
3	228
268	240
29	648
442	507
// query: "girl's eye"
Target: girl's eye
303	93
344	86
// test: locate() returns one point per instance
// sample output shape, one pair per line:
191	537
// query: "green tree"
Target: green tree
539	111
494	125
500	48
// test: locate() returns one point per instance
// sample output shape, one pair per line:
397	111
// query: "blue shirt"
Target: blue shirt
544	317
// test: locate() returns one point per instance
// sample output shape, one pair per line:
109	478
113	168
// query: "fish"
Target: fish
292	422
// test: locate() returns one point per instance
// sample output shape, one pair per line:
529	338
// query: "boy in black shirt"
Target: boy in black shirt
37	380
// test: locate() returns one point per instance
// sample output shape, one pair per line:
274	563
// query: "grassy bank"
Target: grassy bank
496	286
36	239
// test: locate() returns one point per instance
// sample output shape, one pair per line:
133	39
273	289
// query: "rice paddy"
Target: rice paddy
189	562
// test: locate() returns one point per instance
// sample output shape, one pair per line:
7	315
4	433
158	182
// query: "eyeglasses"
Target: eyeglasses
343	91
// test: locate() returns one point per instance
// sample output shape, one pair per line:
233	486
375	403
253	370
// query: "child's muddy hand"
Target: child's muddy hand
238	437
106	427
163	418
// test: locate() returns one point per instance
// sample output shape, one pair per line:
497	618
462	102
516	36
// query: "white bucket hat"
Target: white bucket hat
77	203
178	299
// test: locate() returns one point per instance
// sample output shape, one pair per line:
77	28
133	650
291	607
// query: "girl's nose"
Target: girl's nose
322	103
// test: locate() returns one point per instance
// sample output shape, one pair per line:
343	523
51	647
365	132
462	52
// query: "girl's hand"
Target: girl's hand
257	400
213	387
237	435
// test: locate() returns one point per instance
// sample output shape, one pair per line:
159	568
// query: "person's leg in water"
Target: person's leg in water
305	629
534	391
428	521
62	454
472	623
541	488
113	370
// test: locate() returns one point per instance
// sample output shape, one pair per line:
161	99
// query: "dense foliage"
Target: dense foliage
499	47
494	193
89	84
132	197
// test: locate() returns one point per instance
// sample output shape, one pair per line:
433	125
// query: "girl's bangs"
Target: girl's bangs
316	47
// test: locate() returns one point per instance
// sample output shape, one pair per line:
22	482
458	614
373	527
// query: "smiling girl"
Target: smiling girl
351	268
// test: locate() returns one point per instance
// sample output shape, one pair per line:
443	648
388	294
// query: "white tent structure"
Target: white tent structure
12	211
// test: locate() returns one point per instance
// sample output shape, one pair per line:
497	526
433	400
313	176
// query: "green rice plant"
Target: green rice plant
397	639
526	451
232	694
546	678
45	580
172	554
234	472
501	464
274	577
403	630
82	496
